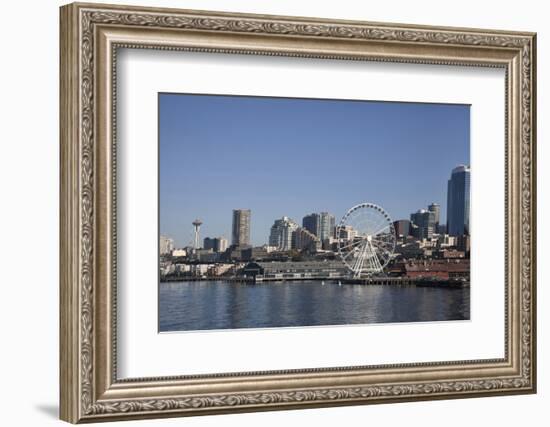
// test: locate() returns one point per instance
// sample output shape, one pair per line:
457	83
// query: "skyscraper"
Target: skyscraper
402	227
220	244
436	209
208	243
425	221
305	240
312	223
458	201
320	224
166	245
281	233
326	226
217	244
240	235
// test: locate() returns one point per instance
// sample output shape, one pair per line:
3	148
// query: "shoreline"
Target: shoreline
377	281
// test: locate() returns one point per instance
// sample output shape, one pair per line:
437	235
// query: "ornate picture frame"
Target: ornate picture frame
90	37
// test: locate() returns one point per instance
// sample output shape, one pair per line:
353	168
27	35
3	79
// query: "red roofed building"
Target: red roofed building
441	269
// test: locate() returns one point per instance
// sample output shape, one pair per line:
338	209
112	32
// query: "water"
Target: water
186	306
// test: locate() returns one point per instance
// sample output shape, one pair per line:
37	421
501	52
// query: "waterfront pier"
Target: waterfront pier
395	281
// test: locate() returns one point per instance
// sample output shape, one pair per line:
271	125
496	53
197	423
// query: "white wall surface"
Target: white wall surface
29	171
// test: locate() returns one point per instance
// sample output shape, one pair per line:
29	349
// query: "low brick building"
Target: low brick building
441	269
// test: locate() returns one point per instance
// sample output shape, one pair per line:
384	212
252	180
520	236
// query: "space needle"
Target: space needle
197	224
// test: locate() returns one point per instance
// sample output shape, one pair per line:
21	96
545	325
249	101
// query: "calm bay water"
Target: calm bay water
186	306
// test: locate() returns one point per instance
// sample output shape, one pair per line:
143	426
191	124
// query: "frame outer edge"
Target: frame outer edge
533	207
69	354
78	403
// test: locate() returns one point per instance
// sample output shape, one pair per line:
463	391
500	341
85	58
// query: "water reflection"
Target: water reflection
186	306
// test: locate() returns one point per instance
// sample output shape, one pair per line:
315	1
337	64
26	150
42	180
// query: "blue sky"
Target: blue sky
282	156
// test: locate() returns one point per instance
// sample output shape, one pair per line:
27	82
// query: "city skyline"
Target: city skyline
433	208
304	166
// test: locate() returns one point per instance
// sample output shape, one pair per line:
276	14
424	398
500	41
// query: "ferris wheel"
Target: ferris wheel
366	239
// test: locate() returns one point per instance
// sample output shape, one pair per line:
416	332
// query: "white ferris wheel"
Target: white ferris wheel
366	239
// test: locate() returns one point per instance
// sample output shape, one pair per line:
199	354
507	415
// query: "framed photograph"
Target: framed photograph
266	212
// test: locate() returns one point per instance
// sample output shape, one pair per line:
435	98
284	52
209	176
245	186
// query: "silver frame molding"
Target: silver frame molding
90	37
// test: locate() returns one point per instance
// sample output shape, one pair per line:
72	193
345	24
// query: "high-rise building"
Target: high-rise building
326	226
463	243
220	244
305	240
208	243
166	245
425	221
414	231
320	224
312	223
281	233
346	233
458	201
436	209
240	235
402	227
217	244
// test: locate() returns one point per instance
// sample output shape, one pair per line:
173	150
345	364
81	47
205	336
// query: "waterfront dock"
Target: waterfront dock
233	279
408	281
389	281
